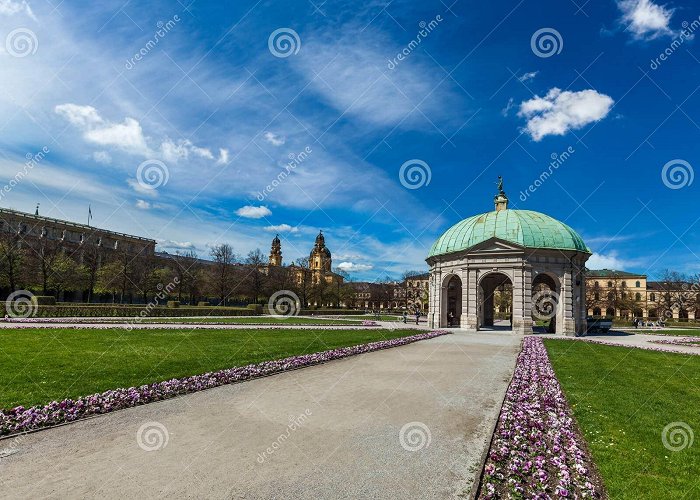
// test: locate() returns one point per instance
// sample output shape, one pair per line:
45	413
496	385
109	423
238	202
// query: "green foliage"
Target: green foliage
257	309
623	399
203	304
44	300
123	310
173	303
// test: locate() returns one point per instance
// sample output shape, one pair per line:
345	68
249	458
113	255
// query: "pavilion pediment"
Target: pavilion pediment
494	245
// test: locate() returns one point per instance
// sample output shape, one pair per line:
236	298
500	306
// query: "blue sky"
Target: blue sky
232	91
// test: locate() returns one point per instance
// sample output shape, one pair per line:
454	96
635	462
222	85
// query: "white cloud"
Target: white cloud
142	189
560	111
251	212
143	204
351	267
102	157
609	261
179	245
528	76
223	157
127	135
508	107
274	139
282	228
645	19
10	8
182	150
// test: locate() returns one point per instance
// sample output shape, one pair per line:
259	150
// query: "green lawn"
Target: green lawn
623	398
257	320
41	365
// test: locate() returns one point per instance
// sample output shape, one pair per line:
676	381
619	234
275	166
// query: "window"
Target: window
652	297
609	284
596	284
637	284
638	296
596	296
624	284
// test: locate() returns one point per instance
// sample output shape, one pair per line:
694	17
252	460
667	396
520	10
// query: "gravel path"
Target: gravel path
237	441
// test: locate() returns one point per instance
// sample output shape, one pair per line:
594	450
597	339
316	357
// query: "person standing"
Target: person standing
417	316
405	317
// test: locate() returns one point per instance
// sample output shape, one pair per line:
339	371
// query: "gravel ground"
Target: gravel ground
237	441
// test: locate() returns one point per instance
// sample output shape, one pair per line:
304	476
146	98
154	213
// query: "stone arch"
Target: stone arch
487	288
451	300
597	311
546	301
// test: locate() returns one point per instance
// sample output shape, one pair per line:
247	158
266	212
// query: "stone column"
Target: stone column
470	320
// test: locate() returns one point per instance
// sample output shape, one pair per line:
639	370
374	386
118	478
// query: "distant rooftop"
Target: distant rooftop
75	225
613	273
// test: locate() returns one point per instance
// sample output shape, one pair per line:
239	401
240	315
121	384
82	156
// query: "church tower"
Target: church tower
320	257
276	252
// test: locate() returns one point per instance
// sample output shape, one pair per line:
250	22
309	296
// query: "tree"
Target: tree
42	257
108	279
65	275
187	269
222	271
255	280
11	258
92	258
303	280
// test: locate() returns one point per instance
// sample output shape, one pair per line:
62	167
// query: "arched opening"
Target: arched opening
683	315
453	302
653	314
495	302
610	312
545	304
596	311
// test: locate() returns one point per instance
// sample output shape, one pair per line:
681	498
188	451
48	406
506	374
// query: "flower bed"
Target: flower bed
690	341
22	419
536	451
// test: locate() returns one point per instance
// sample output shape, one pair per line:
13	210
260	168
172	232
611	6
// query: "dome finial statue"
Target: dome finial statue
500	200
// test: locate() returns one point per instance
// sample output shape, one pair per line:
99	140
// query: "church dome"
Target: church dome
522	227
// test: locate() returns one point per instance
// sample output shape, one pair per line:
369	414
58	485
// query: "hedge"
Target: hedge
119	310
44	300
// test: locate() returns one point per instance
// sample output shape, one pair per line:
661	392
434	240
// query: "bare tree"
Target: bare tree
11	258
255	280
222	271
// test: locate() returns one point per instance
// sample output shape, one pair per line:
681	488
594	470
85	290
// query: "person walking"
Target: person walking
405	317
417	316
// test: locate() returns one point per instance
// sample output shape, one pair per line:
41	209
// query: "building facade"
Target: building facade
619	294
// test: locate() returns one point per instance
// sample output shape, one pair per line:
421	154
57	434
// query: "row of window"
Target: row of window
637	284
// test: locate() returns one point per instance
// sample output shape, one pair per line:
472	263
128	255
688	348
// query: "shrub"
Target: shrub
44	300
173	303
122	310
203	304
256	308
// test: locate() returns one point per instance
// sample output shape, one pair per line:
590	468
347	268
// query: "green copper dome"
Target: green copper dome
522	227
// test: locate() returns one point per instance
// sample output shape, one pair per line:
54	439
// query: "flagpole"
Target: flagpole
89	214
